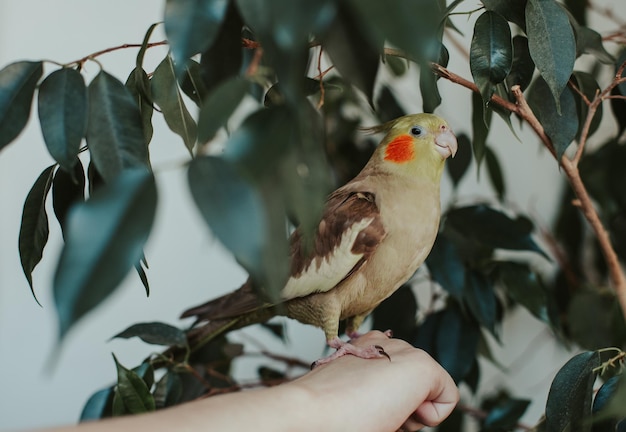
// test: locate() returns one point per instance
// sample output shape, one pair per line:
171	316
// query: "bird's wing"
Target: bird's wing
349	232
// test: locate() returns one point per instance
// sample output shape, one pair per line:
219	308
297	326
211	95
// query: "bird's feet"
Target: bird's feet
356	335
346	348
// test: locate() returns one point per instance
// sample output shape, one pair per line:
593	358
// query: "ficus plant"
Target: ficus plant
309	74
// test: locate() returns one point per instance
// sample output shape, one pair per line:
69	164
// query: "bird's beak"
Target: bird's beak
445	142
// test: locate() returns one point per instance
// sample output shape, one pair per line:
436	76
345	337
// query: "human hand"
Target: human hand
408	392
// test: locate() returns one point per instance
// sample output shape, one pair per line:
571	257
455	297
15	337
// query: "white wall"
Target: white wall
185	267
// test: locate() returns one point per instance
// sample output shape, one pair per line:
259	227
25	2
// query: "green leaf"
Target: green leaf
492	228
456	341
34	227
114	133
551	43
481	121
568	407
166	94
132	391
618	106
512	10
620	61
98	406
397	24
431	98
561	124
144	46
67	190
138	84
63	115
231	207
192	26
104	240
155	333
481	300
491	52
192	84
523	67
505	415
219	106
354	60
387	106
495	173
588	86
610	400
169	390
145	371
590	305
457	166
17	87
224	58
284	28
398	313
446	266
524	287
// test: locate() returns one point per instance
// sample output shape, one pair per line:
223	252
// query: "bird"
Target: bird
374	233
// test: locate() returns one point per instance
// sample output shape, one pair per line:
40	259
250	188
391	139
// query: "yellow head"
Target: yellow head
416	144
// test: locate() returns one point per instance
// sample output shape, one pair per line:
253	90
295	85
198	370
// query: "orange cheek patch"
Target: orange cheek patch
400	150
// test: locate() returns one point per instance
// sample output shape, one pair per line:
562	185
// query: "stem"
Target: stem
92	56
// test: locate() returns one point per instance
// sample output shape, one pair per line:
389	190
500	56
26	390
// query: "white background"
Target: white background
186	265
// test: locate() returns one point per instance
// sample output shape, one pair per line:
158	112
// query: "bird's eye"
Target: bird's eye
417	131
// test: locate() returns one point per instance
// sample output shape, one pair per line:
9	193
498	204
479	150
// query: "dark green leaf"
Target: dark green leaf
589	41
145	371
506	414
387	106
588	86
523	66
592	306
446	266
192	26
512	10
98	406
104	240
551	43
284	28
456	341
219	106
431	98
525	288
578	9
492	228
354	60
138	84
232	209
481	121
491	52
67	190
166	94
569	400
398	313
17	87
275	95
457	166
481	300
495	173
224	58
397	24
192	83
34	226
612	399
561	126
155	333
144	46
168	391
114	133
397	65
63	115
132	391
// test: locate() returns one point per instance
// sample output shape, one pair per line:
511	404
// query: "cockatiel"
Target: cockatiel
374	233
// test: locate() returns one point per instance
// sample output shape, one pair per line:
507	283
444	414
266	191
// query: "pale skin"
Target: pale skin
405	393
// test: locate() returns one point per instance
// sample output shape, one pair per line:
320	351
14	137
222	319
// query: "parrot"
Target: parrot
374	233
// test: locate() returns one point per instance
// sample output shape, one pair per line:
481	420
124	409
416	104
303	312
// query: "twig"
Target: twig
92	56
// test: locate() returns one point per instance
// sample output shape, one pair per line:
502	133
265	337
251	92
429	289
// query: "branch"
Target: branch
570	166
92	56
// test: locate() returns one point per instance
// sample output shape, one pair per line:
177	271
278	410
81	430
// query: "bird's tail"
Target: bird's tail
240	308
